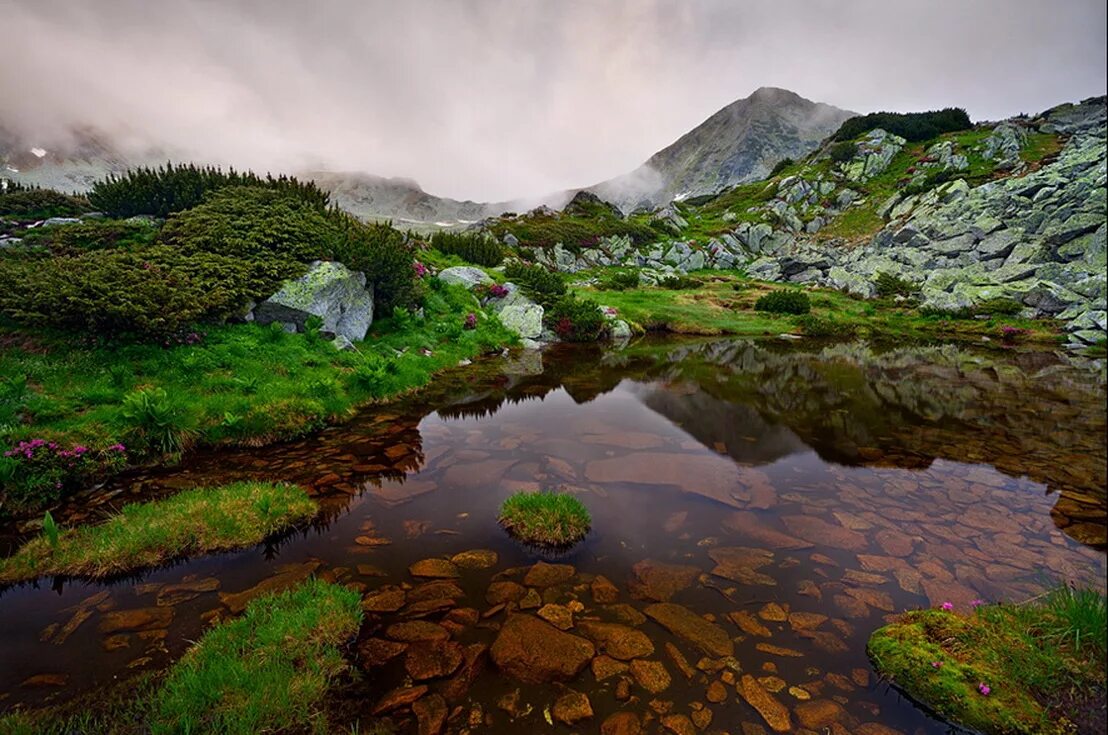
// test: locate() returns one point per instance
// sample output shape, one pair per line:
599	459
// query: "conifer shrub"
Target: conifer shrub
889	284
780	166
620	281
73	239
472	247
538	283
574	319
843	151
27	203
386	257
912	126
171	188
784	301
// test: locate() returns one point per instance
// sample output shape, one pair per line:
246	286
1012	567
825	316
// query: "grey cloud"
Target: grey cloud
507	98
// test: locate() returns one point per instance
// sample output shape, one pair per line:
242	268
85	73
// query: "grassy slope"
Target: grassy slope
244	384
267	671
1043	662
148	534
724	304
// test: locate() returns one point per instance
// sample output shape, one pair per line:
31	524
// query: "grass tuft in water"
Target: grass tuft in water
267	671
1033	667
545	518
152	533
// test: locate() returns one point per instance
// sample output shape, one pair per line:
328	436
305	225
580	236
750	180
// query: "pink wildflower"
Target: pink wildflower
984	689
977	603
936	664
947	606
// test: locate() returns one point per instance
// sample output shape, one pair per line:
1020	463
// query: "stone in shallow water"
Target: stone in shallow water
659	581
144	618
437	568
557	615
388	599
679	725
753	527
473	662
651	675
773	612
819	713
773	712
504	591
236	602
686	624
547	575
749	624
572	707
397	698
717	692
603	591
621	723
378	651
740	564
534	651
618	641
430	714
604	667
430	659
416	630
818	530
476	559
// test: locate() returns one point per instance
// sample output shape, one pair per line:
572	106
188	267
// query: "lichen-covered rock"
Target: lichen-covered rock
329	291
465	275
534	651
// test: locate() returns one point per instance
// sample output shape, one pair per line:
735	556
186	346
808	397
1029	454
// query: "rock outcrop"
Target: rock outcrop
330	291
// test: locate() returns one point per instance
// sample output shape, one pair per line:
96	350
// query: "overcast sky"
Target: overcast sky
503	98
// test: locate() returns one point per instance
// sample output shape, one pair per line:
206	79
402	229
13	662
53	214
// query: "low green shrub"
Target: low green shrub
929	182
386	257
780	166
150	293
156	422
40	204
545	518
821	328
538	283
176	187
889	284
784	301
478	248
620	281
74	239
252	222
683	283
998	306
912	126
574	319
843	151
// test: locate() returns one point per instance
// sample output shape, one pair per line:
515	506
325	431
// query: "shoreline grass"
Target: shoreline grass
724	303
268	670
1026	667
545	518
142	535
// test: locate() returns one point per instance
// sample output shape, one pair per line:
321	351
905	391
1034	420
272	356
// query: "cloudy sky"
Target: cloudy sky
496	99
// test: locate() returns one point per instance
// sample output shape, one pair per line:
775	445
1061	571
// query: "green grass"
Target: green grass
1040	145
725	304
242	385
264	672
1043	662
545	518
147	534
267	671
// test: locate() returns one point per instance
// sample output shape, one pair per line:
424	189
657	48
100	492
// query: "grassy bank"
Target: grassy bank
147	534
235	384
267	671
1036	667
722	303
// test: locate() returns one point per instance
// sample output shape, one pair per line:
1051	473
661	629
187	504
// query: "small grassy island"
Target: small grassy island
1034	667
147	534
556	520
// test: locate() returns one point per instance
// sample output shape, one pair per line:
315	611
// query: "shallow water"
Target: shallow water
844	482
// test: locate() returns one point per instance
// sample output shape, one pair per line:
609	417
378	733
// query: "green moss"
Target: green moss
545	518
147	534
1040	145
1041	662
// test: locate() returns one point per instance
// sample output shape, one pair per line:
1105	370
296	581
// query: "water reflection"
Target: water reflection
838	484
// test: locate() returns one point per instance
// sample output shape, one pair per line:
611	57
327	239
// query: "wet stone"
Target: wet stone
659	581
749	624
679	725
384	600
416	630
436	568
650	675
775	714
717	692
398	698
679	660
534	651
603	591
378	651
618	641
476	559
571	708
605	667
430	659
557	615
145	618
504	591
531	600
547	575
818	713
473	663
430	712
621	723
686	624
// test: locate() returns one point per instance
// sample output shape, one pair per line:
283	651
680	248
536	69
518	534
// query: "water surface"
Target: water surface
814	491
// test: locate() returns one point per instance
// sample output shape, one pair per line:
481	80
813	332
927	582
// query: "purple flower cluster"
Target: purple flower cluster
497	291
420	269
471	321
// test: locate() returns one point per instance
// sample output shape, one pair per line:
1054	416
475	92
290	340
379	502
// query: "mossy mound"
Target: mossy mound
547	519
1003	669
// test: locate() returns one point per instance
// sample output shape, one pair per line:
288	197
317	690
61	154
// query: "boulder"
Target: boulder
330	291
466	275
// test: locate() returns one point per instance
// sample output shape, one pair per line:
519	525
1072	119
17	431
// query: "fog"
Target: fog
510	98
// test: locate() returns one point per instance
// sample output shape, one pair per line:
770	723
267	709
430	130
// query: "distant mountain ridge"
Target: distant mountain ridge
739	143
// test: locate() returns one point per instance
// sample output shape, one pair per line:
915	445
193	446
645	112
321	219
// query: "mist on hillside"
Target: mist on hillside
503	99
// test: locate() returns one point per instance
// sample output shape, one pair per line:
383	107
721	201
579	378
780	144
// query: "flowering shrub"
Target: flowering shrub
471	321
1011	335
575	320
420	269
37	471
497	291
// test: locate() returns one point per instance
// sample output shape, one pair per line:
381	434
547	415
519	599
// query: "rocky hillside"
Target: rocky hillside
740	143
1007	216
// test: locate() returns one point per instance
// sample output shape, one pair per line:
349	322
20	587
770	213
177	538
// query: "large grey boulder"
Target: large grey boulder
330	291
517	313
466	275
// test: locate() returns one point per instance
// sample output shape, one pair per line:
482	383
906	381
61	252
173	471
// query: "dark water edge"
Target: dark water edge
864	480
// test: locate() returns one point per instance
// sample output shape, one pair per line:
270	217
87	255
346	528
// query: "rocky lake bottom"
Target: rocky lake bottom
757	511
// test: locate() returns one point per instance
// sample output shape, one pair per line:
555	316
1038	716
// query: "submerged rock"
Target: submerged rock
686	624
534	651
